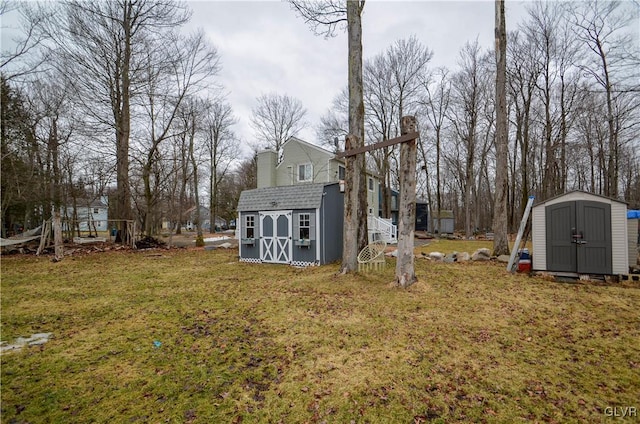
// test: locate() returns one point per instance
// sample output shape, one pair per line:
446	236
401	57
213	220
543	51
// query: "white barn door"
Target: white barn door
275	237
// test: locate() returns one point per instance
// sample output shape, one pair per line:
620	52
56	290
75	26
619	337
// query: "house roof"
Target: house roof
444	214
84	203
300	196
306	143
578	192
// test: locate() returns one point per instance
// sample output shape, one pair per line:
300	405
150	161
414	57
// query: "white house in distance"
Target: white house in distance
301	162
91	215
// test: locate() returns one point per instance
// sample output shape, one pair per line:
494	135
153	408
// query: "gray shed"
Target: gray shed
442	222
299	225
580	233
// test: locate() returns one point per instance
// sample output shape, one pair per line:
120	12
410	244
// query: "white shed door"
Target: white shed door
275	237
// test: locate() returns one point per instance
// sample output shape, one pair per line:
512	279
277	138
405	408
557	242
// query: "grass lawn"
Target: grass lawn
250	343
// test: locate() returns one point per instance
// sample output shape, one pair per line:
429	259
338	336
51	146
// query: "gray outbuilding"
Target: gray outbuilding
580	233
299	225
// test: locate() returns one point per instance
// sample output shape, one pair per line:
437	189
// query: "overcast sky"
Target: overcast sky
265	47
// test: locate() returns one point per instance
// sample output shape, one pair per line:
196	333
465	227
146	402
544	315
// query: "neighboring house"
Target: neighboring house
422	211
190	223
91	215
300	225
305	163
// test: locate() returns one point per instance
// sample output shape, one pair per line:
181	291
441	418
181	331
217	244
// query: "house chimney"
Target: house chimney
267	161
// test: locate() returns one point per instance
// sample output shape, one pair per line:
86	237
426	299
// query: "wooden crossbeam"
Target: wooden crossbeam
375	146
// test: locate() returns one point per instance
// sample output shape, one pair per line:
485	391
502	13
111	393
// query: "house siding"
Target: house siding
539	239
373	196
294	154
334	170
332	224
250	251
305	254
619	249
87	217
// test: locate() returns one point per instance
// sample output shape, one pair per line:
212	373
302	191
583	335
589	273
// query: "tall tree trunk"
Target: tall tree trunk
469	184
355	228
500	225
213	189
194	164
438	180
123	123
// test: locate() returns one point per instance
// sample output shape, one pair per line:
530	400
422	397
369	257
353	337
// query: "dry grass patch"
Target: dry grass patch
270	343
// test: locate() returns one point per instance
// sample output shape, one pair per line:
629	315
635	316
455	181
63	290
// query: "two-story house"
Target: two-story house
90	215
295	215
301	162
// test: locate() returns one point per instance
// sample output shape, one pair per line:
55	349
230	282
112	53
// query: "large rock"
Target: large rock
451	257
504	258
482	254
463	257
436	256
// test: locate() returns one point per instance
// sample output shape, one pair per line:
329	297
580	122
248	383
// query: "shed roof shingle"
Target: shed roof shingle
301	196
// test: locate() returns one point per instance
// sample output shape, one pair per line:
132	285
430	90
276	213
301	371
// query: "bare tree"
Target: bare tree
523	71
601	27
107	43
467	98
435	102
173	72
276	118
334	125
222	147
324	17
381	119
500	224
23	57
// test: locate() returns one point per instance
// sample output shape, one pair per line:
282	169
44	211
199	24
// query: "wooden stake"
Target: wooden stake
405	270
57	237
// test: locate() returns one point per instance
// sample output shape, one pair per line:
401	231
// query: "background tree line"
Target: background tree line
572	100
116	99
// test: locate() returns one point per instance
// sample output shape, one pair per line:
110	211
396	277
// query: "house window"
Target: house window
249	226
370	184
305	172
341	172
96	210
304	226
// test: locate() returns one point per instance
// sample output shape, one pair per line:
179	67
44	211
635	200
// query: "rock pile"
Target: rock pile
482	254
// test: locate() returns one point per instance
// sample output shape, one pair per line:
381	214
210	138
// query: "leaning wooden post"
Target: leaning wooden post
57	237
405	271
